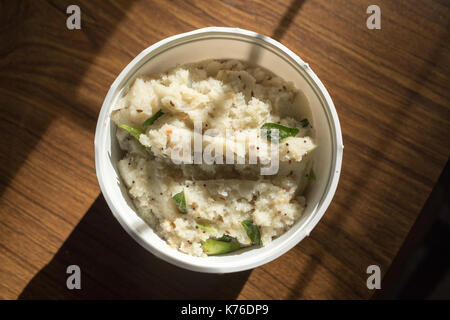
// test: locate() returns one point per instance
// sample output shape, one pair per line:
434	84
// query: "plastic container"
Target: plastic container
224	43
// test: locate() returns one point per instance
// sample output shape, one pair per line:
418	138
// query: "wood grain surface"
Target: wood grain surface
390	88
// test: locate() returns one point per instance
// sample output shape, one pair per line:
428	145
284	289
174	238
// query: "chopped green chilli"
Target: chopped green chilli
213	247
153	118
135	132
283	132
205	228
180	201
312	175
252	232
304	123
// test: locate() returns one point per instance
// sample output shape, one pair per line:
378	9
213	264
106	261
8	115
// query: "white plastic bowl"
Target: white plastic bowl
224	43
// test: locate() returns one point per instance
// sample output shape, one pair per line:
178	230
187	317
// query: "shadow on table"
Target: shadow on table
287	18
280	30
114	266
42	64
376	155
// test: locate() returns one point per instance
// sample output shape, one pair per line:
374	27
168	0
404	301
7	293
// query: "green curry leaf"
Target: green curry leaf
180	201
153	118
304	123
283	132
252	231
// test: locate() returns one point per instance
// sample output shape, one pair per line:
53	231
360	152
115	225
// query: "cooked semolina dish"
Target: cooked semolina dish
210	159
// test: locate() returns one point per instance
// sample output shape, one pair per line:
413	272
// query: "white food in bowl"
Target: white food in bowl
221	95
223	43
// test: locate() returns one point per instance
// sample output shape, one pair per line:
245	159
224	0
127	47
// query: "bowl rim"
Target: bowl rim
283	247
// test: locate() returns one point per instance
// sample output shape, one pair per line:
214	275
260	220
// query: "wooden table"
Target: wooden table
390	88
